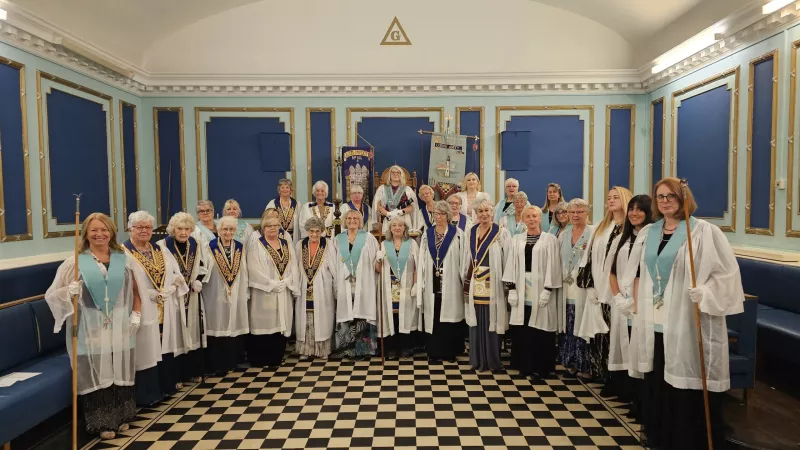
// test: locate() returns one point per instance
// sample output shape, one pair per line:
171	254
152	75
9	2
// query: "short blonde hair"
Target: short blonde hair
229	203
265	221
180	220
533	208
425	187
112	229
399	220
350	212
402	175
464	182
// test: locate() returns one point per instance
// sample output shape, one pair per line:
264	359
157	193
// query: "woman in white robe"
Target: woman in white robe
193	261
272	273
225	298
357	203
560	219
470	194
282	232
597	267
572	347
244	232
319	208
667	300
393	199
552	199
486	312
533	269
287	207
396	261
315	305
506	206
162	288
513	222
423	216
439	286
461	221
108	317
356	294
205	229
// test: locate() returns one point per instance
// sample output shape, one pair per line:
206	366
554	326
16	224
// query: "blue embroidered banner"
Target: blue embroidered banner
357	169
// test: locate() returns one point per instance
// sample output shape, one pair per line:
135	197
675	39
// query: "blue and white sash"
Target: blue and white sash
397	259
351	258
103	289
660	266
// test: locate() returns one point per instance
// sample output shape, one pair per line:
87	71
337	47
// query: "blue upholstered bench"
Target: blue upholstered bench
777	287
26	282
29	345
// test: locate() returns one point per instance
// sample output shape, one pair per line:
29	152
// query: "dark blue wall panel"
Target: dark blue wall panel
13	178
761	162
321	148
78	152
619	160
169	159
556	155
658	143
470	125
703	144
397	141
234	163
129	155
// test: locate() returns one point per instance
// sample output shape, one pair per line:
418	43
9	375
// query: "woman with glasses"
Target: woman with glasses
666	301
394	199
205	230
573	351
552	200
272	272
470	194
286	206
225	297
439	286
513	222
244	232
356	203
109	315
320	208
560	219
355	290
506	207
459	220
162	288
274	213
423	217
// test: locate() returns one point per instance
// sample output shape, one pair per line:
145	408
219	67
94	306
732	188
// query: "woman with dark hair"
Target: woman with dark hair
552	200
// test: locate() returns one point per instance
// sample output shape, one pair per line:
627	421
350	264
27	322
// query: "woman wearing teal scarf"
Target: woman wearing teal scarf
513	221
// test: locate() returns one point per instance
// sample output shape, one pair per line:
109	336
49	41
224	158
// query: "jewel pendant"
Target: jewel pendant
569	279
106	322
659	301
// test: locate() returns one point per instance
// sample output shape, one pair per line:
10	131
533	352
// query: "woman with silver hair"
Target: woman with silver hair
225	298
394	199
482	271
315	305
513	222
193	260
423	216
357	203
244	232
470	194
396	262
439	287
272	278
459	220
162	288
355	290
506	207
319	208
560	219
286	206
205	229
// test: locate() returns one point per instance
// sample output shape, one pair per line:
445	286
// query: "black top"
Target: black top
664	240
505	207
181	246
529	243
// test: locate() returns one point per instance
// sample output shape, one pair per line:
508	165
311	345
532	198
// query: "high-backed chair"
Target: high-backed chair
411	181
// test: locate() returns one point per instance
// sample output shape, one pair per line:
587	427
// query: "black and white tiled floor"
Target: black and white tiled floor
406	404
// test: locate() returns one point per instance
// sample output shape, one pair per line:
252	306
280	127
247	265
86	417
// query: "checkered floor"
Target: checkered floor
406	404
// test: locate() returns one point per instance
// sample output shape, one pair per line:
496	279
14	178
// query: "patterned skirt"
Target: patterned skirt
355	339
106	409
598	350
310	347
572	350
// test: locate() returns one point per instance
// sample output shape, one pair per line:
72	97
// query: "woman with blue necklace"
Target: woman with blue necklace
355	290
663	292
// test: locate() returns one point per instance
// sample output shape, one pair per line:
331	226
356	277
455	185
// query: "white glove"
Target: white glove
696	294
591	295
513	297
413	293
544	298
395	213
279	286
136	320
379	255
624	304
177	281
75	288
153	293
197	286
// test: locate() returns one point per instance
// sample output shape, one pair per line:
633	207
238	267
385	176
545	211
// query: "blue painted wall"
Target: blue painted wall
619	169
761	147
11	141
130	152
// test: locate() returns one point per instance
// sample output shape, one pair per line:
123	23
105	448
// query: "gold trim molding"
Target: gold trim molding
575	108
632	152
732	136
25	157
311	182
791	194
772	143
459	110
44	172
158	164
122	105
663	138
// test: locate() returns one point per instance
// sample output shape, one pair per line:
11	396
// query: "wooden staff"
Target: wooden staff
380	302
685	190
75	328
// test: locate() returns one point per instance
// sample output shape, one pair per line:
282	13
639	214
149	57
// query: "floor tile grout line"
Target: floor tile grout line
613	412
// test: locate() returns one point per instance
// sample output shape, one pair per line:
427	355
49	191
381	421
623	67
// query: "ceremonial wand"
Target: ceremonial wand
75	328
380	301
685	191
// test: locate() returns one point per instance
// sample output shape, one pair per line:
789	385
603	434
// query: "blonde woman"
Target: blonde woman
282	232
394	199
470	194
553	198
244	232
357	203
287	207
423	217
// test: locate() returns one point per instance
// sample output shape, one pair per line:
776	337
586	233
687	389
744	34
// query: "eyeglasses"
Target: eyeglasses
562	212
668	198
577	212
204	211
142	229
272	226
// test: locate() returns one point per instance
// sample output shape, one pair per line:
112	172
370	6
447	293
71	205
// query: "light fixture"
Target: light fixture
3	14
774	5
687	49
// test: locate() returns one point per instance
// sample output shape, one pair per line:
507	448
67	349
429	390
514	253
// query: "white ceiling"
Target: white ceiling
127	29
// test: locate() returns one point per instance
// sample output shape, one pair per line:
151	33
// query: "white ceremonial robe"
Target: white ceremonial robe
380	199
309	210
190	310
418	221
618	351
294	229
717	274
572	291
249	233
366	225
324	295
467	209
150	344
271	310
498	253
592	322
468	223
106	356
226	312
452	286
499	212
545	273
641	341
357	300
514	228
409	315
201	235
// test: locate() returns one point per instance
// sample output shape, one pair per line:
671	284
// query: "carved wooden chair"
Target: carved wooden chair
379	181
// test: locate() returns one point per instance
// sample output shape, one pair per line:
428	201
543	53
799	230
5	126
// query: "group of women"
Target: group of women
611	302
